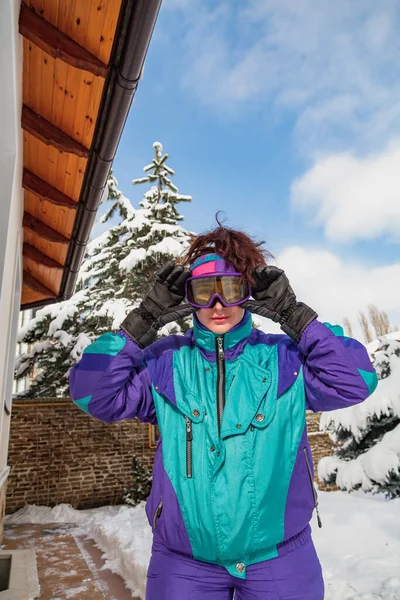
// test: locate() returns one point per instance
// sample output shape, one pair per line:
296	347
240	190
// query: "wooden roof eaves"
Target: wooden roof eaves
135	26
36	285
44	191
32	253
55	43
49	134
40	229
132	38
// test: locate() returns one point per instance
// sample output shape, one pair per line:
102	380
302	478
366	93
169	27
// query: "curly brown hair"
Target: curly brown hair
235	246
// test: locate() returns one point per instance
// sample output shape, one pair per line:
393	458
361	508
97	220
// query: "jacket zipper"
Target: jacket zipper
157	513
314	491
221	381
189	440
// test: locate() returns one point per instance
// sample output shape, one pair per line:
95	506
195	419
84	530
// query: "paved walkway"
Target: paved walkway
69	564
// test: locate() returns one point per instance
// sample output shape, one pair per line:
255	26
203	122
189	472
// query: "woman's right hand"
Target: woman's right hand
160	306
168	290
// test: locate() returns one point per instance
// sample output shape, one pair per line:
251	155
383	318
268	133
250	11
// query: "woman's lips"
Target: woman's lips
219	318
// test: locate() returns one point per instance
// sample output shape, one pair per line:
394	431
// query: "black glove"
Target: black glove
275	299
160	306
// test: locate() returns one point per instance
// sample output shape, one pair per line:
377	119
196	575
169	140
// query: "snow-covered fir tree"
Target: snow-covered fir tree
117	272
368	434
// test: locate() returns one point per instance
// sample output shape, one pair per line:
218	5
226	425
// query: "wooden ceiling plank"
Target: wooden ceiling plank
53	41
65	16
63	160
26	137
80	22
71	104
51	165
47	89
45	191
92	111
60	253
51	11
79	178
51	278
69	224
70	175
47	133
83	115
42	230
36	285
40	258
62	220
25	73
30	204
33	162
95	26
62	169
35	77
58	99
108	32
29	296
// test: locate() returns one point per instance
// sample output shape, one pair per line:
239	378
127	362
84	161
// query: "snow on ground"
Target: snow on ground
359	546
359	543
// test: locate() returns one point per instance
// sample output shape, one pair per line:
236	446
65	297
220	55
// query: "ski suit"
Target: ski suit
232	485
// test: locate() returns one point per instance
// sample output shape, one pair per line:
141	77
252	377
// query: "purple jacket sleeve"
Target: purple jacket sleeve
111	382
337	369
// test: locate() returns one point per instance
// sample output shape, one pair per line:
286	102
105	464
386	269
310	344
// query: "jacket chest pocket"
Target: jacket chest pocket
251	402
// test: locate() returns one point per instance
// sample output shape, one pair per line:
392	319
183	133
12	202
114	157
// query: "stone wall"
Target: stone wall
57	454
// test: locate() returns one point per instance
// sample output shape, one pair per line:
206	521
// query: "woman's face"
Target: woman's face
212	317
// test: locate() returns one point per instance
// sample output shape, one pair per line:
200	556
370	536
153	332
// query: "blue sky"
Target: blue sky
286	116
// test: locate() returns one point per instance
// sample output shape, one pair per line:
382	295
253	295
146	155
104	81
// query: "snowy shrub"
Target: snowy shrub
140	489
368	434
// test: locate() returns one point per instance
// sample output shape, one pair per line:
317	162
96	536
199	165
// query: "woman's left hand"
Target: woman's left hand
275	299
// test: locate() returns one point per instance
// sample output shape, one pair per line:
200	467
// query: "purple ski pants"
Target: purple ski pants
294	575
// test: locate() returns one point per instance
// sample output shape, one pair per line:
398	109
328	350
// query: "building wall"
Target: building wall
60	454
11	210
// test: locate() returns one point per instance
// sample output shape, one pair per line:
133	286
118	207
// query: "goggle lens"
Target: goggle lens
201	290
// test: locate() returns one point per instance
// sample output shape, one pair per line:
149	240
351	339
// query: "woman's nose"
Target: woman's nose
218	305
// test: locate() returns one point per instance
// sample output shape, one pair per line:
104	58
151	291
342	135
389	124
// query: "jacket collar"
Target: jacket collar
206	338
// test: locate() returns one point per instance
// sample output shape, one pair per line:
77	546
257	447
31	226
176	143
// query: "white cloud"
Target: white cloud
333	64
353	198
337	288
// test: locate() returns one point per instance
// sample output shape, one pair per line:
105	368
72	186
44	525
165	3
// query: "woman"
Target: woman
232	492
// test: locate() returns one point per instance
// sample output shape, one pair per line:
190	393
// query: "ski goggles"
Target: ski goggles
201	292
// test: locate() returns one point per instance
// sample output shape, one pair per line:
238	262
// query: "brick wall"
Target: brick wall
59	454
320	444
